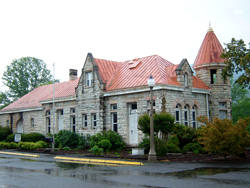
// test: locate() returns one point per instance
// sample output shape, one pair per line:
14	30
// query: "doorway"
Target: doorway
60	120
133	121
19	128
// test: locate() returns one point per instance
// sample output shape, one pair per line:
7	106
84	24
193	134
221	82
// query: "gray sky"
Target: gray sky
63	32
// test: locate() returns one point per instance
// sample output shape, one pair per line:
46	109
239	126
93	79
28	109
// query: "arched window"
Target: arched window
185	79
194	116
186	115
178	114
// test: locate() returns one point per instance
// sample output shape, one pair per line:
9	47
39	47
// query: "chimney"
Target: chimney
72	74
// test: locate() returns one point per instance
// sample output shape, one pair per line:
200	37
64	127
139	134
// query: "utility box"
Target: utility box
48	139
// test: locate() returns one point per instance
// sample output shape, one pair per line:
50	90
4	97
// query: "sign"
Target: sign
17	138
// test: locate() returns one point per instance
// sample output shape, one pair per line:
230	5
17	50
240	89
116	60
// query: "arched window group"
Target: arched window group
186	116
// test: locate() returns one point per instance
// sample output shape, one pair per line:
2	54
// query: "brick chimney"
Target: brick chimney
72	74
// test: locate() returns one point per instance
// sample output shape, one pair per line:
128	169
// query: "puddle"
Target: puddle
204	171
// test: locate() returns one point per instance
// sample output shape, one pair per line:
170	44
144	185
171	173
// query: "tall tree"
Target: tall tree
238	92
4	101
237	59
24	75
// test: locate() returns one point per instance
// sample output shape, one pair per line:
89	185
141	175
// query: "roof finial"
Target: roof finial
209	28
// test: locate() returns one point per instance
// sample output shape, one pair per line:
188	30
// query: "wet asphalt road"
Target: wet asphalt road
45	171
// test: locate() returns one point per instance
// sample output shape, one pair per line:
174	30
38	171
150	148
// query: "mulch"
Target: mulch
126	154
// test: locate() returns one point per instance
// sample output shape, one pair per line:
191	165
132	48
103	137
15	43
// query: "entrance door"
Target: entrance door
133	120
60	120
19	128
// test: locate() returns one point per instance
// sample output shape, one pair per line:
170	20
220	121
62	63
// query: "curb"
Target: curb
99	161
11	153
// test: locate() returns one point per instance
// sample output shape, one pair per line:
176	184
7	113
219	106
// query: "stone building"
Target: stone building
112	95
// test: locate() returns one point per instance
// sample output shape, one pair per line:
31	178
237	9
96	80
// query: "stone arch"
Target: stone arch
197	104
176	102
187	102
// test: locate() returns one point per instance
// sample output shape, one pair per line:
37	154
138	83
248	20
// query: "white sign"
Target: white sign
17	138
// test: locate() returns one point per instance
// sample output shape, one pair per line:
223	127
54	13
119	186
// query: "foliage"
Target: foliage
193	147
241	110
96	150
113	137
144	124
4	132
24	75
174	140
66	148
237	58
83	142
171	148
238	92
222	137
163	122
160	146
105	144
4	101
31	137
185	134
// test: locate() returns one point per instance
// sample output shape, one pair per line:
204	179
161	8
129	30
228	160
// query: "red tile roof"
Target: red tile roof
31	99
210	50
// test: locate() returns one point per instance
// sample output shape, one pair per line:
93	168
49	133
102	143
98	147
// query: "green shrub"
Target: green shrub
67	139
10	138
66	148
42	144
13	145
174	140
160	146
31	137
96	150
113	137
4	132
171	148
145	144
105	144
83	142
192	147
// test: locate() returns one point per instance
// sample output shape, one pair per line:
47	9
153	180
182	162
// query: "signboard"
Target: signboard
17	138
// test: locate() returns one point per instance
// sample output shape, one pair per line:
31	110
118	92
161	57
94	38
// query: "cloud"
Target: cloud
239	12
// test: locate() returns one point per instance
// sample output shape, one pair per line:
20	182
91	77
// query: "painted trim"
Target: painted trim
21	110
202	91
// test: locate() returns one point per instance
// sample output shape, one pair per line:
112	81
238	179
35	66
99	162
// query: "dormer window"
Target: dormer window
88	79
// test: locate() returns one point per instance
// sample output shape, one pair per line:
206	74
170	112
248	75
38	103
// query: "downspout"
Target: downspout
207	106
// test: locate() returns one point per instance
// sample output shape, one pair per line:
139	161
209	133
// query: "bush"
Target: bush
96	150
83	142
174	140
113	137
105	144
4	132
160	146
193	147
171	148
31	137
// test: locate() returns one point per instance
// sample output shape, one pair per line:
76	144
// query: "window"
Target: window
177	114
194	114
48	121
186	115
8	123
114	121
93	120
32	122
88	78
72	110
84	120
148	105
114	107
73	123
222	105
222	114
185	79
213	76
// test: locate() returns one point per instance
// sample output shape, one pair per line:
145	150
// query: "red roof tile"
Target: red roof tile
31	100
210	50
197	83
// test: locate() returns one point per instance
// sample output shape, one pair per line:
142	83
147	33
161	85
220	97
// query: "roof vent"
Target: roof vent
134	63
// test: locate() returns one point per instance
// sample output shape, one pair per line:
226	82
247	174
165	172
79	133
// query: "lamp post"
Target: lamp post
152	154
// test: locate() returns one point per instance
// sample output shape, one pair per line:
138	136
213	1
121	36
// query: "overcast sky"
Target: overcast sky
63	32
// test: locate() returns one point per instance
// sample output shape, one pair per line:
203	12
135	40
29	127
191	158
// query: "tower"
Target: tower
208	66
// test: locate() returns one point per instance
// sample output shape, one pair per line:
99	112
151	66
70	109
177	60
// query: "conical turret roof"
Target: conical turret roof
210	50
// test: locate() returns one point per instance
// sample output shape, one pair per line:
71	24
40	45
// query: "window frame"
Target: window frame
84	120
89	79
94	120
186	115
178	111
32	122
